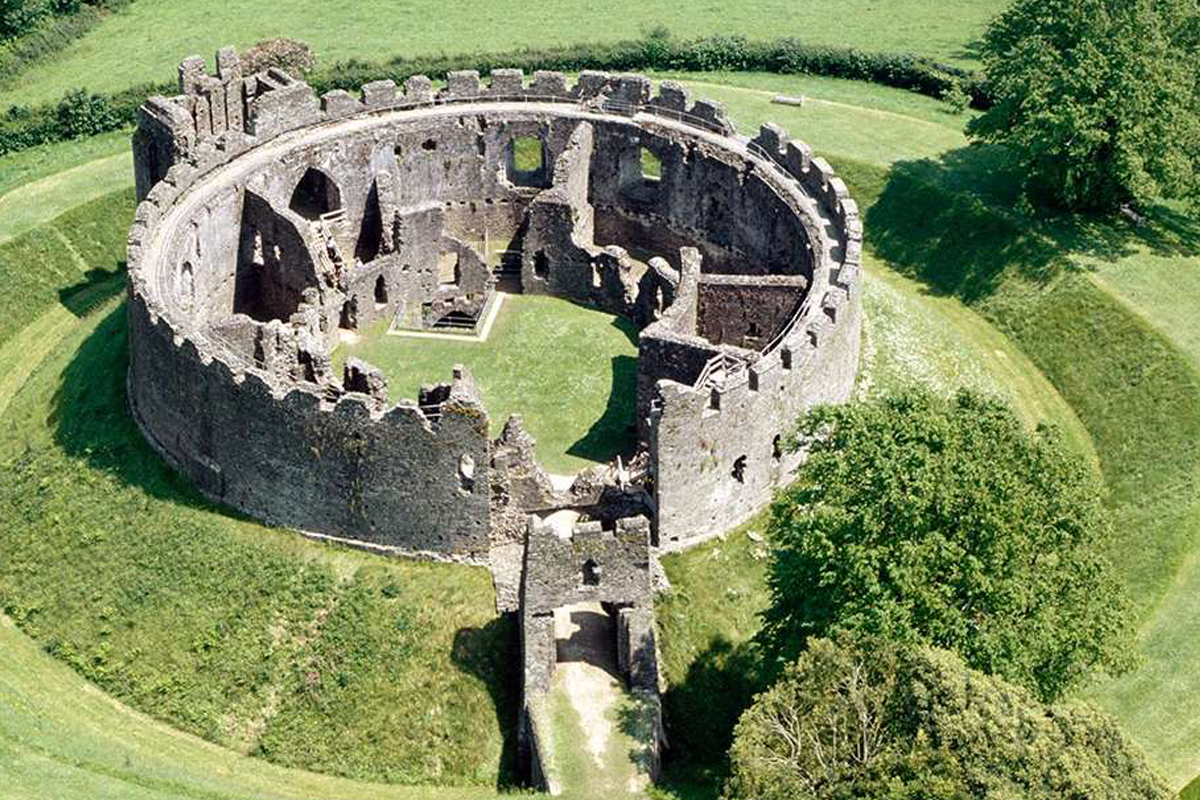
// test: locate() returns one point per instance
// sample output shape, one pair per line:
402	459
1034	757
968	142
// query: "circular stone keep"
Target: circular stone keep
271	220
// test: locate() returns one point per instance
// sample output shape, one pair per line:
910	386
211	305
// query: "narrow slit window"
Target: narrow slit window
651	166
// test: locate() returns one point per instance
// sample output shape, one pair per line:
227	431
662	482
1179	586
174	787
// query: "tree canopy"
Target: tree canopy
945	522
1098	99
879	721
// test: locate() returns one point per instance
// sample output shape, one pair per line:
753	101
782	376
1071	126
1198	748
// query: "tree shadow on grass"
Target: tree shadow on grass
491	654
956	223
97	286
615	432
90	418
700	713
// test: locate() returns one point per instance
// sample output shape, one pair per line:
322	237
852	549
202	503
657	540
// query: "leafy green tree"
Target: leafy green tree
877	721
922	520
1098	99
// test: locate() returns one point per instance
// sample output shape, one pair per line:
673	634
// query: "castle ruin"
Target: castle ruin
270	218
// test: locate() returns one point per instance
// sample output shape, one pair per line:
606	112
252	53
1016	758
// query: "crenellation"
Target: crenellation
506	83
418	89
632	89
462	83
592	84
672	96
712	115
379	94
773	139
191	70
547	83
338	104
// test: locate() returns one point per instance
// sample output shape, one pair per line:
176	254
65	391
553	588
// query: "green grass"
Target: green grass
61	739
574	767
1118	343
145	42
50	160
527	153
252	638
60	261
570	371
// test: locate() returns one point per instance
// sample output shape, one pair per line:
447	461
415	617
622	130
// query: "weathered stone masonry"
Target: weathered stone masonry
270	217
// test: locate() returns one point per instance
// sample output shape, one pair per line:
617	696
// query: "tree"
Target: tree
1099	100
874	720
921	520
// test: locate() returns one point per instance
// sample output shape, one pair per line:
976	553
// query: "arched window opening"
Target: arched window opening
651	166
590	573
306	362
776	448
739	469
348	320
466	473
541	264
315	194
449	269
381	295
187	288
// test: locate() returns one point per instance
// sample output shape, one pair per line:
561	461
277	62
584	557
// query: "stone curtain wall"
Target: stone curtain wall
243	398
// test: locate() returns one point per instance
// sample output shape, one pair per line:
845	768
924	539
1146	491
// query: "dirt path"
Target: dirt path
598	750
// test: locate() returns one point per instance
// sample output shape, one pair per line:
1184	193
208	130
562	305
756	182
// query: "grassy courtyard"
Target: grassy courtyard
570	371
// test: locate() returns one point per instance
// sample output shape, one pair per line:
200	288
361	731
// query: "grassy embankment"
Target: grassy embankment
252	638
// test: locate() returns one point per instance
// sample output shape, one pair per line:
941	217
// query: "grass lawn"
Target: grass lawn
145	42
570	371
256	639
56	162
959	288
61	738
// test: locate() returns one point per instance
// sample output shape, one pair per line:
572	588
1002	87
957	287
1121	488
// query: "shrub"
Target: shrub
293	57
655	51
81	113
50	34
856	721
20	16
923	520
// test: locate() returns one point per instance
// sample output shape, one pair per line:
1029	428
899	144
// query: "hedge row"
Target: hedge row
81	113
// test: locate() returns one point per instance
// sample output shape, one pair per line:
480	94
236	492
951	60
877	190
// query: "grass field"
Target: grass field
252	638
145	42
570	371
61	739
984	294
